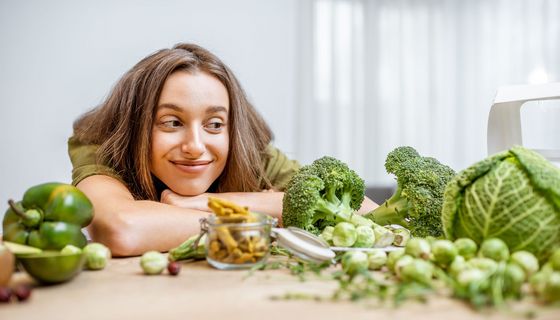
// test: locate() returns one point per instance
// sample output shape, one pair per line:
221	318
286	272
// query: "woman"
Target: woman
174	129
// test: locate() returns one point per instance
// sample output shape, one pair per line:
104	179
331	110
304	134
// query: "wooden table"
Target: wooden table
121	291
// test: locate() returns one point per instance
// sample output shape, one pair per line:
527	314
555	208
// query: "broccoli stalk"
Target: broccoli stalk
417	202
332	205
322	194
331	208
393	211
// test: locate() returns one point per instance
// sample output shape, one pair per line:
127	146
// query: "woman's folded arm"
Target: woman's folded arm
131	227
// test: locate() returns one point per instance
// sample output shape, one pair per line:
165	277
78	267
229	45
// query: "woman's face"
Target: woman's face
190	140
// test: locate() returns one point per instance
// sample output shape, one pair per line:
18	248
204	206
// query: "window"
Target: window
382	73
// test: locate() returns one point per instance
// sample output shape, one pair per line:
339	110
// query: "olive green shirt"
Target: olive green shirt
278	168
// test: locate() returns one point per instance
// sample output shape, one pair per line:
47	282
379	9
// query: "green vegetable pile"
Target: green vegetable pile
513	195
483	277
501	218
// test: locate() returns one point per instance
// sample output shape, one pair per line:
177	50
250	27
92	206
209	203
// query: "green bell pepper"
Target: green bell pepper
50	216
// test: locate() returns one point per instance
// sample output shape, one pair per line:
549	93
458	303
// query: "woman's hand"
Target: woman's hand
199	202
265	201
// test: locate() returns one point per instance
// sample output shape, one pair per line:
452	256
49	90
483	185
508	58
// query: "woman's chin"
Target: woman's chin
189	191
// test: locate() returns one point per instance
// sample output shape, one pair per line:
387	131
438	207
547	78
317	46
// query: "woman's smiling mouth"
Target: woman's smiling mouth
192	167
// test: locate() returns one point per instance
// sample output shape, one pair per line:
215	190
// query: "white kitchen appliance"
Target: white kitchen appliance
504	122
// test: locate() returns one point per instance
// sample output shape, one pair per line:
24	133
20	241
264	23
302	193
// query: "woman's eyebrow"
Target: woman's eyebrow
209	110
215	109
169	106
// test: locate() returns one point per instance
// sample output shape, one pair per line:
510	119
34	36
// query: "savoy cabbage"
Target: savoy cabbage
513	195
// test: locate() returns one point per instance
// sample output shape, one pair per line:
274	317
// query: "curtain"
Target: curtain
378	74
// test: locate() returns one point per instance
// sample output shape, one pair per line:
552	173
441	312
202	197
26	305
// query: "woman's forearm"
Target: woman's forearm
141	226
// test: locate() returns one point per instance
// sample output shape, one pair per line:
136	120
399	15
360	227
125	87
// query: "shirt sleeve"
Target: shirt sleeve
279	169
84	162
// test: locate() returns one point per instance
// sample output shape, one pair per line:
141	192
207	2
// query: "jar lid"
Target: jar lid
303	244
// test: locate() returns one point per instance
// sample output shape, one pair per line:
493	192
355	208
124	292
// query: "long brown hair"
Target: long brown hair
122	124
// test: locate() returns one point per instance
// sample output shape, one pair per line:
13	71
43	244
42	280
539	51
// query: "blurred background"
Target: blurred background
347	78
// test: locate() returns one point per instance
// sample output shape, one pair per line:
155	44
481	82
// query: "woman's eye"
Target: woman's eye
215	125
172	123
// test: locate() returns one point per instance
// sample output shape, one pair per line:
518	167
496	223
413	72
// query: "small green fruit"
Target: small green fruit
495	249
153	262
97	256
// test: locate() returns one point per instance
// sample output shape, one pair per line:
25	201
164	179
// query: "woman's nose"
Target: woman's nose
193	145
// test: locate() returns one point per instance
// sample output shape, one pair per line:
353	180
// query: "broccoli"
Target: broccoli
322	194
417	202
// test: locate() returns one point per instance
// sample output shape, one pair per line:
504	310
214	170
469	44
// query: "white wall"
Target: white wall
60	58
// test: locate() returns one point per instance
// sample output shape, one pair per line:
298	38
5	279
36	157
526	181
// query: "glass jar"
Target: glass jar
237	245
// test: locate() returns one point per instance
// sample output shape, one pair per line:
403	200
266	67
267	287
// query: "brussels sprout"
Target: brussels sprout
527	261
555	260
484	264
393	257
97	256
418	270
495	249
469	276
383	236
365	237
538	282
444	252
466	247
551	291
153	262
418	248
354	262
377	259
514	278
327	234
401	263
402	235
431	239
459	264
547	267
344	234
70	249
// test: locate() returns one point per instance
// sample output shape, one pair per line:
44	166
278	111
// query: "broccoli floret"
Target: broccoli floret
417	202
322	194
